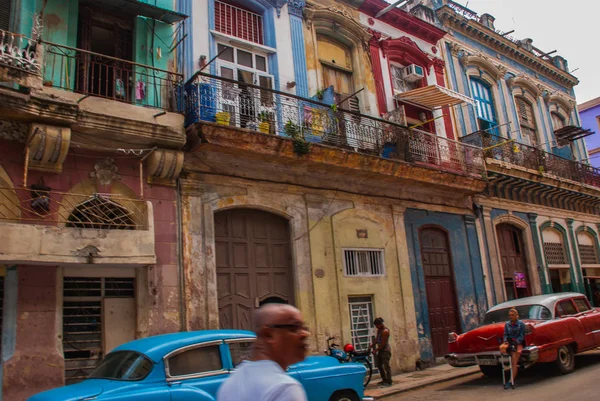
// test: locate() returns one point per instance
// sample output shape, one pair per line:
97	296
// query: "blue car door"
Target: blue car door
196	373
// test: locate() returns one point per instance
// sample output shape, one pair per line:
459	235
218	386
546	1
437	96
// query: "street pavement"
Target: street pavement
537	383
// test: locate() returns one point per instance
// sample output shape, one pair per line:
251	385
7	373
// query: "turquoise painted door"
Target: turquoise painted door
486	115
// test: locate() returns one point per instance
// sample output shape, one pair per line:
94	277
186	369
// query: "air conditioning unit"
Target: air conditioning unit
413	73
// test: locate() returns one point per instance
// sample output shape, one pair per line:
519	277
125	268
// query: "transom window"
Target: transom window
555	253
587	249
363	262
236	21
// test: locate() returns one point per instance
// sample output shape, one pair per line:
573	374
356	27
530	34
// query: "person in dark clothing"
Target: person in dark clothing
382	352
514	340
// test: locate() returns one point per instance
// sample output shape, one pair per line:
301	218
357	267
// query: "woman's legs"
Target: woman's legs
514	356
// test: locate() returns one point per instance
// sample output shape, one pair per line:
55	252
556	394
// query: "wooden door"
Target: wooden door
253	264
439	285
514	264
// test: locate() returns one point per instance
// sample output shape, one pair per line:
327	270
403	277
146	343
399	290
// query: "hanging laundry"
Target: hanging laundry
140	90
119	88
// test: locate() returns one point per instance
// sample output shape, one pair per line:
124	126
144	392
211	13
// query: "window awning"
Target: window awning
434	96
135	7
571	133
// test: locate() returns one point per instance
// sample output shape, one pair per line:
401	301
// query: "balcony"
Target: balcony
93	74
39	225
269	123
18	58
499	151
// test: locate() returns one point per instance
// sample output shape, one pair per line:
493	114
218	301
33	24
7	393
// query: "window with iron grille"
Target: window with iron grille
587	254
398	81
101	213
555	253
363	262
361	318
82	321
236	21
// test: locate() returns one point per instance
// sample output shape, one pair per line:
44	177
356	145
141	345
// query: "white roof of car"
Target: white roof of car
548	300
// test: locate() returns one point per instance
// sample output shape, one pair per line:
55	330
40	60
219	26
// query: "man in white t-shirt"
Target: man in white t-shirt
281	341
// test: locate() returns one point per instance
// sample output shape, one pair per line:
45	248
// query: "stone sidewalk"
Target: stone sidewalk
420	378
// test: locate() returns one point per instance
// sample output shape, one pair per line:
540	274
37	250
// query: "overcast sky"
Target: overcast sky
569	26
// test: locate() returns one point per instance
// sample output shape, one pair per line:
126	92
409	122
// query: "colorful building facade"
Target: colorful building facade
589	113
539	212
173	166
90	150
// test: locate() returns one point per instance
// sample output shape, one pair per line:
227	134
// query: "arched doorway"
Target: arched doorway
254	266
439	285
514	261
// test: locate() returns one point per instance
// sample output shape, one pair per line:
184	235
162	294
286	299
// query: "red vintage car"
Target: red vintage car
557	326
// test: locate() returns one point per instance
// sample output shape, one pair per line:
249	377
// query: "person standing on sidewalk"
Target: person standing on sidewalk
382	352
281	341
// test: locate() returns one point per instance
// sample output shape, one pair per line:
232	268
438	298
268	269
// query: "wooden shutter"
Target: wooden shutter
525	111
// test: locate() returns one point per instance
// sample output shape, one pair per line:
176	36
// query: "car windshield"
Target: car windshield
123	365
530	312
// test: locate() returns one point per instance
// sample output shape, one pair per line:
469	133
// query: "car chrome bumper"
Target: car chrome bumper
368	399
529	356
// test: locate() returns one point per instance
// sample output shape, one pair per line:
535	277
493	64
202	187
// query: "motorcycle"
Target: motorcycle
349	354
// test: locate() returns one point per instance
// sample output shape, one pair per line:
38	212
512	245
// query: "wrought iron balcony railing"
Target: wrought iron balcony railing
18	52
244	105
42	206
108	77
532	158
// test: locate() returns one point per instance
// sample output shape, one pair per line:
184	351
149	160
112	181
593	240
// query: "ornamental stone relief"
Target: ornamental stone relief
13	130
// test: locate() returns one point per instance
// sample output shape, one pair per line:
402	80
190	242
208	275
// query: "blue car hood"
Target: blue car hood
87	388
315	367
74	392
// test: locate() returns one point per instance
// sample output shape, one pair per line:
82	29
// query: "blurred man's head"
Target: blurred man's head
378	323
281	334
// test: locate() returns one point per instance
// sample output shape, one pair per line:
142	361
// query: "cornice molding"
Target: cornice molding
404	21
404	48
501	44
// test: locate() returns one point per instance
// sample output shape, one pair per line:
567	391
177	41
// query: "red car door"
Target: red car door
590	318
566	310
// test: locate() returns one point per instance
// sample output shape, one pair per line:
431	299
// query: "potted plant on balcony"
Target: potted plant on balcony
263	126
223	117
301	147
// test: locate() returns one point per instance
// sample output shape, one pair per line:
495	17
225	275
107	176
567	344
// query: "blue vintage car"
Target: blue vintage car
191	366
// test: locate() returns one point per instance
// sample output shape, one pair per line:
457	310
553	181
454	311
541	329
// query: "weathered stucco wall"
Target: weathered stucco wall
322	224
37	362
466	267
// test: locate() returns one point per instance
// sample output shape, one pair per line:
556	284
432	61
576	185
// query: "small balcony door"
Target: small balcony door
107	73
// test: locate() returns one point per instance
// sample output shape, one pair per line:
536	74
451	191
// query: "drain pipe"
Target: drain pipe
180	267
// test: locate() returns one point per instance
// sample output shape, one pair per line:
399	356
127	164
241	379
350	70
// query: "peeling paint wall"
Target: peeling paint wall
37	363
322	224
466	266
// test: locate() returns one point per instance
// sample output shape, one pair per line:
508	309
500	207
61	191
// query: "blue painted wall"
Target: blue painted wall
589	121
468	274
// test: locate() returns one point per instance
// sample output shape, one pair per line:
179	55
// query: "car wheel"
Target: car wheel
491	371
344	396
565	361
